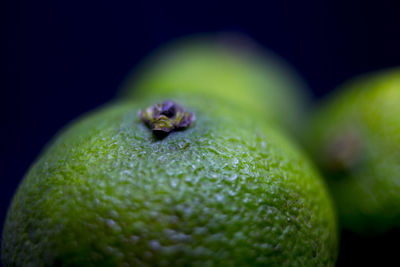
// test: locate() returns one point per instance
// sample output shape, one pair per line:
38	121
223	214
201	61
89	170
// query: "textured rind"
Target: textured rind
368	193
221	67
225	191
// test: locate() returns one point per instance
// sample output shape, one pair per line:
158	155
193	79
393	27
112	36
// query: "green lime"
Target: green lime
226	190
226	67
355	138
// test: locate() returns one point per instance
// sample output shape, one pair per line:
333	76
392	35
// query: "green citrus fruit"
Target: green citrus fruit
225	67
227	190
355	138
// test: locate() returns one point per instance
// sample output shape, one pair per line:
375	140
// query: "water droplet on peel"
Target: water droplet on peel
135	238
154	244
113	213
113	225
232	193
174	183
233	177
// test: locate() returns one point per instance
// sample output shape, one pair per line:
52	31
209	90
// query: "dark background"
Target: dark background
60	59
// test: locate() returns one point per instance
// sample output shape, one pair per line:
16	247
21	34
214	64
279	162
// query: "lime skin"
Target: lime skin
354	137
228	190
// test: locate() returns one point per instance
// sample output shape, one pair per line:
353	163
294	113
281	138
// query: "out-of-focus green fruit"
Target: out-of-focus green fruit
355	138
228	190
225	67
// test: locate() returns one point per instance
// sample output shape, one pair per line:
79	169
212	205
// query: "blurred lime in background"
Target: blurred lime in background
354	137
227	67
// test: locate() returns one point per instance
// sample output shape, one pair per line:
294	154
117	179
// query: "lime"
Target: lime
355	138
226	190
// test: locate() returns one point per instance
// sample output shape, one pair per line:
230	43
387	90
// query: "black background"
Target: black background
60	59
